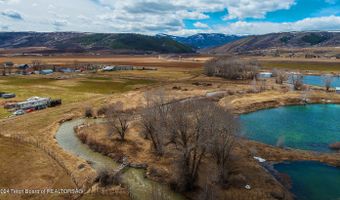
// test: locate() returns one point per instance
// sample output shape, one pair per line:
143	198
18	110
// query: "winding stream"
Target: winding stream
139	187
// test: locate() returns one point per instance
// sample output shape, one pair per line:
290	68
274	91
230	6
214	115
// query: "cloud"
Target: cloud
156	16
330	23
241	9
201	25
13	14
9	1
4	27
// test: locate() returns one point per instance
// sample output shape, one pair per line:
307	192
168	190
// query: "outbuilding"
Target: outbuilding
265	75
337	90
46	71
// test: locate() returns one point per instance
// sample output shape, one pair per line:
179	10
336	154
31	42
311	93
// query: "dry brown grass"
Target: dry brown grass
151	61
18	159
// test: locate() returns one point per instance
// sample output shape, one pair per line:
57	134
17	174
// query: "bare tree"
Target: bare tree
190	126
36	64
225	129
327	79
297	81
117	120
280	76
154	119
201	127
231	68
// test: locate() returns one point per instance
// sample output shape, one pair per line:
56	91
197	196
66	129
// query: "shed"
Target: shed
8	64
46	71
23	66
337	90
265	75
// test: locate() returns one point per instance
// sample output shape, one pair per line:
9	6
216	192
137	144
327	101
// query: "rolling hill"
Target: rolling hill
280	40
89	42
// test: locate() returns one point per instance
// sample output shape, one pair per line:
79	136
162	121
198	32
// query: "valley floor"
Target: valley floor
61	169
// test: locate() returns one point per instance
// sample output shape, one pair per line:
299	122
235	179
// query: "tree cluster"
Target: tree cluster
192	129
231	68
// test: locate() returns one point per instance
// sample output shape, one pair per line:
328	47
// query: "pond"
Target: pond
312	180
140	188
318	81
307	127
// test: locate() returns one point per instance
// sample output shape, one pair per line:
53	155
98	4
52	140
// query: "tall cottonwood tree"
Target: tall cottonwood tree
118	121
154	119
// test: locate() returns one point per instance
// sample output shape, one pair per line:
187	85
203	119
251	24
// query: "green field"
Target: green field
303	65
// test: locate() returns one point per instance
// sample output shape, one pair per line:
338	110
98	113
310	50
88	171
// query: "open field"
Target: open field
43	169
323	65
148	61
70	90
303	65
79	87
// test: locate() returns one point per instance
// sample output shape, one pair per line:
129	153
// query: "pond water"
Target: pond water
318	81
139	187
312	180
308	127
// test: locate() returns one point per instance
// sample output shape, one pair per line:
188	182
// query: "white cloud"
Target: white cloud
240	9
13	14
145	16
201	25
330	23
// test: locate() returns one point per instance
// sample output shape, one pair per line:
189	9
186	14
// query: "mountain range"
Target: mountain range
90	42
290	40
129	43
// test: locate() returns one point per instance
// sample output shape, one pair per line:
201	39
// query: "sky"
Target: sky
175	17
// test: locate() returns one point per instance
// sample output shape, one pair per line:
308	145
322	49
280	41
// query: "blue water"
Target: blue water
312	180
310	127
318	81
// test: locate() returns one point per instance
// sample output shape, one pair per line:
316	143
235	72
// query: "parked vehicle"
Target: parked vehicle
19	112
8	95
30	110
55	102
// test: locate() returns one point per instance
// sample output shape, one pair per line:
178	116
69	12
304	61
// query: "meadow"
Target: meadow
308	65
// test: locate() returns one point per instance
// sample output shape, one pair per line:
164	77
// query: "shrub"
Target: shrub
106	178
102	110
88	112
